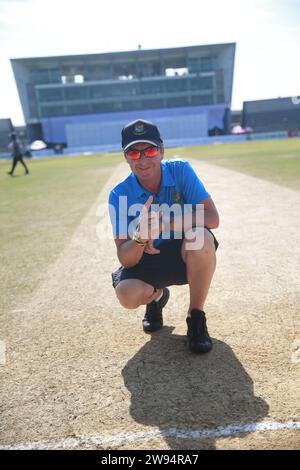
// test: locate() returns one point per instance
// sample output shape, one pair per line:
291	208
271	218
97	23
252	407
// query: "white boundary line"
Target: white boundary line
125	438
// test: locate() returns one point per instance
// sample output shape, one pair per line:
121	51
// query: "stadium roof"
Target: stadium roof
206	47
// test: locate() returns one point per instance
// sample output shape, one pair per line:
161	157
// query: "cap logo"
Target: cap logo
139	128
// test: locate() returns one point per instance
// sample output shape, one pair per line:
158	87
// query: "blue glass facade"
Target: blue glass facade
88	88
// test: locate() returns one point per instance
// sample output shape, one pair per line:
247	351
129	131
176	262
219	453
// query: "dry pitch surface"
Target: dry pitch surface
80	373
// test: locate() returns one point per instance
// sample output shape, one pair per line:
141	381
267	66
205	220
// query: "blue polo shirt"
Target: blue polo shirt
179	185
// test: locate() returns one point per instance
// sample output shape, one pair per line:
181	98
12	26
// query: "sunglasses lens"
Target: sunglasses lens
133	154
151	152
136	154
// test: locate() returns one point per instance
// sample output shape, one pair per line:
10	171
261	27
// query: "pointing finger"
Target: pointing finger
148	203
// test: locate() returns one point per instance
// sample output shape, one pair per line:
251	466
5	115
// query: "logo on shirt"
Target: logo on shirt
177	198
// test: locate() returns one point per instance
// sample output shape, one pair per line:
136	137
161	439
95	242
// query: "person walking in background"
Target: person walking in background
16	154
151	261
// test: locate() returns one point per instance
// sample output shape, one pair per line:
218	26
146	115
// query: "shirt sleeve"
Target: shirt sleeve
193	189
118	214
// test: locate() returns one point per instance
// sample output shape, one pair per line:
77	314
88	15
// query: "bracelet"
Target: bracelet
137	240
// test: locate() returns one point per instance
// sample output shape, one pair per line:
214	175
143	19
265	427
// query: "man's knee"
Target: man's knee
198	242
132	294
126	295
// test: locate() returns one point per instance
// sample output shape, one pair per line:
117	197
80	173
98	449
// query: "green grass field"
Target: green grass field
39	212
274	160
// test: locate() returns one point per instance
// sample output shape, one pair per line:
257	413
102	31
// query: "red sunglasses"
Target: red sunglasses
135	154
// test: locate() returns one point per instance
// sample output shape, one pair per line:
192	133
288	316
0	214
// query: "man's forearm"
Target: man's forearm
130	253
211	219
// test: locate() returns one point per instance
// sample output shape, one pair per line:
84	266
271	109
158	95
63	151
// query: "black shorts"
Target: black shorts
164	269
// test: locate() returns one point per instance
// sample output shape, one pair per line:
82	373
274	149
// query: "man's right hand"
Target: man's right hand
142	230
149	226
150	223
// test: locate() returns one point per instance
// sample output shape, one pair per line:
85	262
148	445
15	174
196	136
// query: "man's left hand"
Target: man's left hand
150	250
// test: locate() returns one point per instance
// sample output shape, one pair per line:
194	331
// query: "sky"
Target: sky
266	33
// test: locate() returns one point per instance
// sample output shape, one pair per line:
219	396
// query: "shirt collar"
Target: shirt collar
167	180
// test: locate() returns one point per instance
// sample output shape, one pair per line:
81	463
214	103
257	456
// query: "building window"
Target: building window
42	76
75	92
51	111
201	83
49	94
77	109
201	64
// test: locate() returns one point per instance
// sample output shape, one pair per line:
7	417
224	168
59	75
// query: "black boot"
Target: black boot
198	337
153	319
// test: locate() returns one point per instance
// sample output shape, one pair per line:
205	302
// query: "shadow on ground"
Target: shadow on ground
172	388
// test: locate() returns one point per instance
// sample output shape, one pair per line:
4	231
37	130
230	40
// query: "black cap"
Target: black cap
140	131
